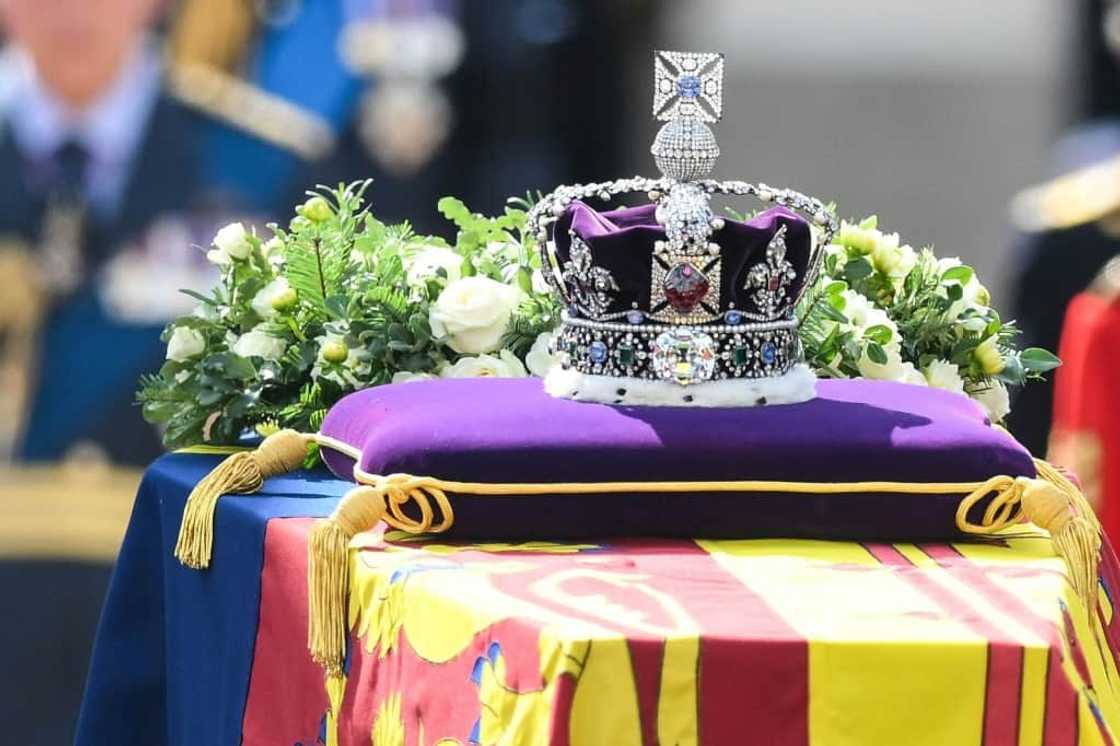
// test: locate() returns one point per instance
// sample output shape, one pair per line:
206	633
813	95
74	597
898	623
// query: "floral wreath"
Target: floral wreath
339	301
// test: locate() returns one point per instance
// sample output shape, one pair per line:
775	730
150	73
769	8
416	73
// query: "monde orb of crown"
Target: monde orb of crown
685	149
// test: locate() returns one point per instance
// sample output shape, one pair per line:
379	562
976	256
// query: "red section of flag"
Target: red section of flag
1060	726
754	668
646	656
281	664
1004	685
1003	695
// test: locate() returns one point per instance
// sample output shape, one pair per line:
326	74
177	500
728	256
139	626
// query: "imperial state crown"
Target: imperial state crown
667	303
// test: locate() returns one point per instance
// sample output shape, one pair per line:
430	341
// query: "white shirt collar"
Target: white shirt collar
111	128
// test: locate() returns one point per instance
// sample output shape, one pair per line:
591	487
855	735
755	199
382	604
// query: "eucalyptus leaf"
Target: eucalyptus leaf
857	269
1012	372
231	366
876	353
961	273
879	334
1038	360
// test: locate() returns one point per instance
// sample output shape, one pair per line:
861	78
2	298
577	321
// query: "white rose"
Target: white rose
259	343
973	295
908	259
856	236
947	263
539	283
184	344
863	315
271	246
995	400
473	313
942	374
262	301
273	251
540	358
912	375
895	369
428	261
885	251
407	376
205	311
231	242
505	365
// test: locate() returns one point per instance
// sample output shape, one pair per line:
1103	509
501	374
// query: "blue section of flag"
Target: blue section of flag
175	646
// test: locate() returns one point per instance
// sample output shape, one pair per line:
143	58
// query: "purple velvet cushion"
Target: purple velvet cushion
510	430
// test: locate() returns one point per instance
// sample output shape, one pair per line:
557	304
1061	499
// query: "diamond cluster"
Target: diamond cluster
686	355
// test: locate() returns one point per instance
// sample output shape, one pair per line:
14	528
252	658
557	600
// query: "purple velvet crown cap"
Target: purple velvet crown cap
510	430
622	242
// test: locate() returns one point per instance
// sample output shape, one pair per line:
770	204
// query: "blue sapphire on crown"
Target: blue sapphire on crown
688	86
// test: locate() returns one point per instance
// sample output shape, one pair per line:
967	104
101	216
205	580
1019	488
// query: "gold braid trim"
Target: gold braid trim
1049	501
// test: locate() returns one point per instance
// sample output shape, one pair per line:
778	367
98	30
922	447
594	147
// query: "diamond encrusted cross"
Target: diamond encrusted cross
688	84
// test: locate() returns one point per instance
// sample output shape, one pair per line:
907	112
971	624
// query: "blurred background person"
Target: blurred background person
131	130
1069	278
107	179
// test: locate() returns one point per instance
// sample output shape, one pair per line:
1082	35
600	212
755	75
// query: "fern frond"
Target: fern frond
390	301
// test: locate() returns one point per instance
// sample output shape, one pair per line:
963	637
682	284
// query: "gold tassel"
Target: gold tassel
1053	503
241	473
328	573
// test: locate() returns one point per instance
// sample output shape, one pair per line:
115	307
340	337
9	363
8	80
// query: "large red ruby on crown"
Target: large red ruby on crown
685	286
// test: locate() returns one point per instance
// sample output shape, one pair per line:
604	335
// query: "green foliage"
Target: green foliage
355	297
885	310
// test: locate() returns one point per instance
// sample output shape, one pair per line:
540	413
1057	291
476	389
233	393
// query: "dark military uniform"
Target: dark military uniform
1055	265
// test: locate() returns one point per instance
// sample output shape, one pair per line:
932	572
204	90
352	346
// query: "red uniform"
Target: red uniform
1086	433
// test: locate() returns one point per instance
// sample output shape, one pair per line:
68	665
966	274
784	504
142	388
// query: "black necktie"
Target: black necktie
69	166
63	233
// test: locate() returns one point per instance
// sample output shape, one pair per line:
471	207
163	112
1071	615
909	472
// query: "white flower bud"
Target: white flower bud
185	343
259	343
231	242
264	302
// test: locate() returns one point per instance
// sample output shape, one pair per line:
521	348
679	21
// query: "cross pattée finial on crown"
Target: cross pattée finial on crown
687	321
687	84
